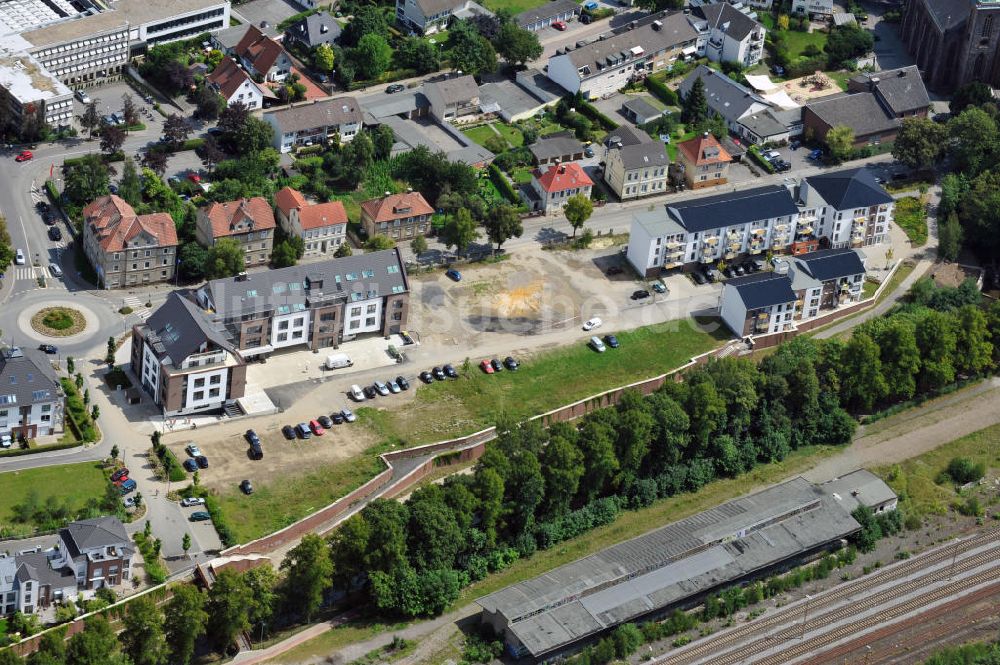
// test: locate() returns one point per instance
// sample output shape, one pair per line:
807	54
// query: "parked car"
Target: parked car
698	277
199	516
127	487
325	421
640	294
19	257
83	96
255	452
357	394
450	372
5	441
593	323
192	501
597	345
337	417
288	431
348	415
316	428
246	487
611	341
190	465
202	461
42	206
393	387
438	374
252	436
119	474
659	287
381	388
129	502
192	450
739	271
403	383
48	348
589	151
194	177
454	275
303	431
510	363
55	270
55	233
395	87
426	377
370	392
497	365
486	366
815	154
24	156
559	25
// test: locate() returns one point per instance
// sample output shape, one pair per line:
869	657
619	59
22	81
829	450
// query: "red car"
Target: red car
119	481
119	474
194	177
486	366
316	428
559	25
23	156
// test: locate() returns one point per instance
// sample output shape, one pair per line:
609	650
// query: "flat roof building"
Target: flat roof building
31	93
674	566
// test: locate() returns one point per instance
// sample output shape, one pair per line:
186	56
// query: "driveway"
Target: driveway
271	11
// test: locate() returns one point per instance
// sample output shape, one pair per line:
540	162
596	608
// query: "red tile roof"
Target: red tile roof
313	216
114	224
288	199
704	150
226	216
228	76
396	206
258	49
560	177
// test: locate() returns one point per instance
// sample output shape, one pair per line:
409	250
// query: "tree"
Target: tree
434	537
936	339
208	103
233	117
308	574
847	42
950	238
973	348
224	259
469	51
920	142
418	54
596	442
186	619
974	138
517	45
379	242
840	141
694	108
367	20
211	152
143	638
109	356
115	452
343	249
979	213
970	94
155	161
51	648
659	5
562	469
459	231
228	607
383	139
193	260
372	56
130	187
263	584
900	357
489	489
578	209
176	130
253	136
86	180
95	413
502	223
96	644
863	384
186	544
91	118
418	245
177	76
323	58
283	255
130	112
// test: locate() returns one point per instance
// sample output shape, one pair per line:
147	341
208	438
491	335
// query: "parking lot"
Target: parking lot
272	12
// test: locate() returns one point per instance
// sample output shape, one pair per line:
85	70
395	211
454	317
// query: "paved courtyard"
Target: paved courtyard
271	11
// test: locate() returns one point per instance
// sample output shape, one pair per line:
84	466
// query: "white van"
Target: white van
596	344
83	96
338	361
357	394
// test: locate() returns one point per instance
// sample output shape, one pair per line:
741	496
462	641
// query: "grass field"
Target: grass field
75	483
483	133
327	642
514	6
276	505
914	479
798	41
479	134
445	410
911	216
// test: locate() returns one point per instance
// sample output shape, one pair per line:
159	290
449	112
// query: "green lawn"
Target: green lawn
514	6
479	134
74	483
911	216
276	505
544	382
522	174
512	134
868	289
336	638
483	133
798	41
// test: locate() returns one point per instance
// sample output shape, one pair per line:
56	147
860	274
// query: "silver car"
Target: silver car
55	270
382	389
393	387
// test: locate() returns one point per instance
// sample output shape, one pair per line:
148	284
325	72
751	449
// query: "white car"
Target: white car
357	394
83	96
193	450
592	323
19	258
192	501
5	441
597	345
55	270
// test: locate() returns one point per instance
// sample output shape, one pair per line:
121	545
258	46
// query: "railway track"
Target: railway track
726	641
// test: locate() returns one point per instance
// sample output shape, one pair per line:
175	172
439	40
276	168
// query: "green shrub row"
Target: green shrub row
660	90
759	159
222	527
76	413
503	185
171	466
154	569
591	111
17	452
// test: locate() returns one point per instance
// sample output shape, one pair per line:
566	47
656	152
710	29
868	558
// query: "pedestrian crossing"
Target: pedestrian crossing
138	307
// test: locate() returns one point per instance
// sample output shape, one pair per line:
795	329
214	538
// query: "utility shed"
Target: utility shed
670	567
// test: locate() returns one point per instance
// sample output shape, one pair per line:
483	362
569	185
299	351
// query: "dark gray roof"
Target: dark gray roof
763	289
861	487
859	111
714	212
849	189
728	19
763	124
626	135
547	11
555	145
179	327
35	566
653	153
324	113
827	264
94	533
315	29
597	56
27	378
949	13
368	275
228	38
902	90
724	95
641	108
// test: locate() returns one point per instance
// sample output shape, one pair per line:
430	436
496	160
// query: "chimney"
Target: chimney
388	193
706	135
562	168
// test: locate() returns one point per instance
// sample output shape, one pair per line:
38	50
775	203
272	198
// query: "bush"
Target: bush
970	507
591	111
502	184
963	470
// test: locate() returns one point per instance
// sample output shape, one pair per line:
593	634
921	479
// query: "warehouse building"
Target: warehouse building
677	565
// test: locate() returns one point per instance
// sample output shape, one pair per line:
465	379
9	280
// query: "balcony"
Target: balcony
674	243
729	256
758	232
711	240
806	230
678	251
780	227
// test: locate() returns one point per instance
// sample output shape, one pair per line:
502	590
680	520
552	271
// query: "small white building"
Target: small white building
813	8
315	122
550	188
425	17
453	98
31	399
236	86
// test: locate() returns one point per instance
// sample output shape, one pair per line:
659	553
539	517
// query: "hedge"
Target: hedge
53	192
759	158
218	517
76	413
503	184
661	91
190	144
17	452
589	110
295	18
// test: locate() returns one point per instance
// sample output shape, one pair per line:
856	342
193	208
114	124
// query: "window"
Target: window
283	325
370	321
45	408
355	324
355	311
371	309
199	394
216	379
214	392
283	337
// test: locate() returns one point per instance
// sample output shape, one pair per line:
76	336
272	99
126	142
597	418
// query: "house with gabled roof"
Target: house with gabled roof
453	98
128	249
315	122
236	86
426	17
636	170
322	226
315	29
849	207
551	186
705	161
248	221
263	56
31	398
398	216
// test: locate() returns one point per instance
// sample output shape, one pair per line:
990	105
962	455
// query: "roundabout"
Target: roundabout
68	322
59	322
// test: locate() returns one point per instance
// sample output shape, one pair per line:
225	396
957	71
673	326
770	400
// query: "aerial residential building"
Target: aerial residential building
730	34
322	226
248	221
705	162
398	216
637	170
128	249
228	39
263	56
759	304
31	96
426	17
954	42
550	187
316	305
559	147
813	8
901	92
675	566
639	111
315	123
236	86
31	399
315	29
549	13
606	66
724	96
453	98
849	208
91	554
184	361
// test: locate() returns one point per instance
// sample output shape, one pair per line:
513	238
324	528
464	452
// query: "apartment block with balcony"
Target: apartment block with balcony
248	221
848	208
758	304
728	34
31	398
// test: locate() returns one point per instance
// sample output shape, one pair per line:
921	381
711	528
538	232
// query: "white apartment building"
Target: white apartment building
31	399
729	34
849	208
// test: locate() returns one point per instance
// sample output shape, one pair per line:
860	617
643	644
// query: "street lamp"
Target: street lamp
805	616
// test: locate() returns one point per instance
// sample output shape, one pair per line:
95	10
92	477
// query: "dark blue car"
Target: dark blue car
454	275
